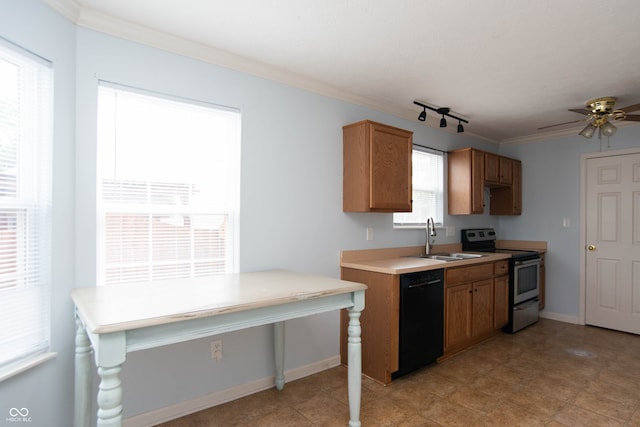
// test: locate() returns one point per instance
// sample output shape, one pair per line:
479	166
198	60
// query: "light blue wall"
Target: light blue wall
551	193
291	205
291	214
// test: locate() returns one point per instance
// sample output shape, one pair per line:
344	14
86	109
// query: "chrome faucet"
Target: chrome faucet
431	232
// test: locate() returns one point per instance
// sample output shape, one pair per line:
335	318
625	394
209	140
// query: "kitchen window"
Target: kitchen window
169	186
26	114
427	183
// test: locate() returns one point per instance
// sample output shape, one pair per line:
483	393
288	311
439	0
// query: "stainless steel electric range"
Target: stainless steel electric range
524	276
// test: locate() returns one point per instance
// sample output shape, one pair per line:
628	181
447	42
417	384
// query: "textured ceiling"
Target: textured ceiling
507	66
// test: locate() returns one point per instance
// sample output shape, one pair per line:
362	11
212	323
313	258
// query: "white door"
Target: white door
613	242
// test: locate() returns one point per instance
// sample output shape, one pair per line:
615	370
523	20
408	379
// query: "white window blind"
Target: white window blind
427	169
168	177
26	100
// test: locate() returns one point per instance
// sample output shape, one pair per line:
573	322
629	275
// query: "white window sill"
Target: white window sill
24	365
416	227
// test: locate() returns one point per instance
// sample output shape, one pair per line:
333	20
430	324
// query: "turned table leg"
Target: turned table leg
82	377
110	397
354	359
110	355
278	335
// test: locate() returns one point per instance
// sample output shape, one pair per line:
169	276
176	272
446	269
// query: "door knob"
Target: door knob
591	247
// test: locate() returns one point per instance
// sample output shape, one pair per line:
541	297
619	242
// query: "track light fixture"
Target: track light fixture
443	111
423	116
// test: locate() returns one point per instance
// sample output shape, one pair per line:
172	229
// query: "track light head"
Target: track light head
443	122
460	127
423	116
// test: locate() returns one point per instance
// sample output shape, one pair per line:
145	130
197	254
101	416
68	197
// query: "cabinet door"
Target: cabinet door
491	167
516	189
477	182
506	170
500	301
482	307
458	311
390	168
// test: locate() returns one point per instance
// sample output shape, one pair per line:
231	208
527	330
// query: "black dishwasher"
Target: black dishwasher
421	319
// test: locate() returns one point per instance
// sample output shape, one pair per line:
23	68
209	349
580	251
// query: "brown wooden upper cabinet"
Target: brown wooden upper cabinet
471	170
498	170
466	181
376	168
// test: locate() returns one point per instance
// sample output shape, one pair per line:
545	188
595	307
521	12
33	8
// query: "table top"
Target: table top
115	308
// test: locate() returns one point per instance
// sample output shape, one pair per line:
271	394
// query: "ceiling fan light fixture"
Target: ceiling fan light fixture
608	129
588	131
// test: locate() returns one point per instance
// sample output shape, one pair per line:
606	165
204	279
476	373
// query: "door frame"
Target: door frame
582	314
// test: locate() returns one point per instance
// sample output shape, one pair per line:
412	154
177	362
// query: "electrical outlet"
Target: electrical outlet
450	231
216	350
369	233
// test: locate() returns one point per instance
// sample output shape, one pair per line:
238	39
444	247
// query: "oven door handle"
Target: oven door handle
527	262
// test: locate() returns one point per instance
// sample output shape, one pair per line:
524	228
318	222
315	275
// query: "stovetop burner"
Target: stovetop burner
484	240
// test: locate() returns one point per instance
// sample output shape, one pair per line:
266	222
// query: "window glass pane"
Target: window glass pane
169	181
26	99
427	167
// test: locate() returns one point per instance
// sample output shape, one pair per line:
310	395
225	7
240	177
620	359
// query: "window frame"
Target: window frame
152	210
438	216
31	203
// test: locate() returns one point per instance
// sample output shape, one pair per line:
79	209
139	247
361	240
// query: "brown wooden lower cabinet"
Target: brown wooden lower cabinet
476	307
501	301
476	304
380	322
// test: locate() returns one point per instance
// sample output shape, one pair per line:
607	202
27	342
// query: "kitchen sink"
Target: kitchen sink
450	256
466	256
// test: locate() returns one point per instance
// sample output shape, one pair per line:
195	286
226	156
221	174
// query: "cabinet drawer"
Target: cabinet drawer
501	267
468	274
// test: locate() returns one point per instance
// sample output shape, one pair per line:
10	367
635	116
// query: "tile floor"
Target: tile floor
550	374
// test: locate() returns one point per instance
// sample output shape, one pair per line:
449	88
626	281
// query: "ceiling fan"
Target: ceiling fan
599	112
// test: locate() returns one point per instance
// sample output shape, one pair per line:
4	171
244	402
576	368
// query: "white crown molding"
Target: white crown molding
67	8
94	20
556	134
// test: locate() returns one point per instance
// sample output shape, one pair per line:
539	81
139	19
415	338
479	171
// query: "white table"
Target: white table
116	319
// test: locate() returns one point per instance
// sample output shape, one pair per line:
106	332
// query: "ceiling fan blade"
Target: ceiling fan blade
565	123
631	119
580	111
631	108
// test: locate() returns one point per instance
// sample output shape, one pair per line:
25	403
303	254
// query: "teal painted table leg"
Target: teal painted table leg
278	335
110	355
354	359
82	377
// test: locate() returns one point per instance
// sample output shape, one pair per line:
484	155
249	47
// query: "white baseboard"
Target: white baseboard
181	409
559	317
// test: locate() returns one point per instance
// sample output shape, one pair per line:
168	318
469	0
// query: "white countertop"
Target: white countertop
113	308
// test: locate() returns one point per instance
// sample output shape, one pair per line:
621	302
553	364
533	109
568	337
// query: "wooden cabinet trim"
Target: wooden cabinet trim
468	274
